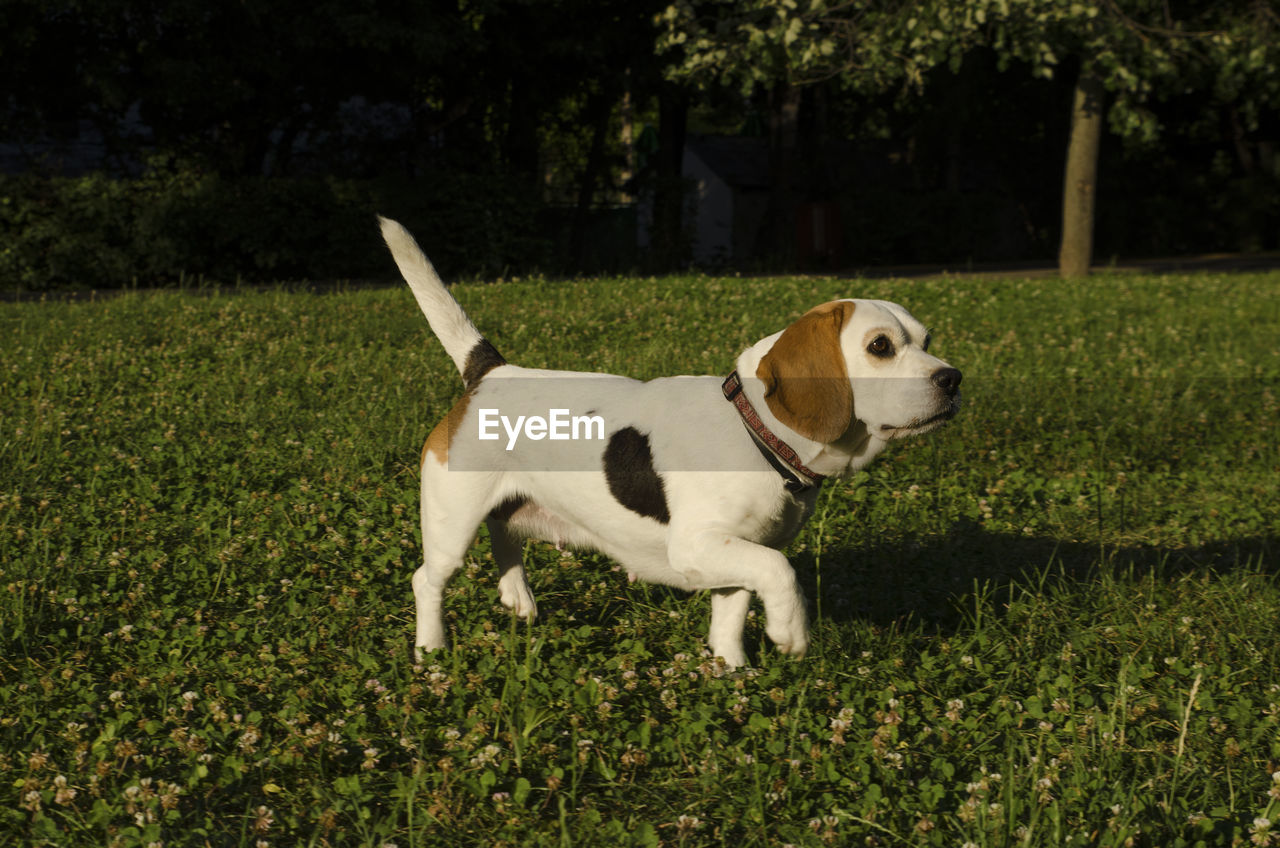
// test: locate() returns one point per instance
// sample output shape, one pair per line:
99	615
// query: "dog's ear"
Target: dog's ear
805	381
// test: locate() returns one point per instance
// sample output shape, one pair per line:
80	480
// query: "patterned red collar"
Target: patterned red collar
771	447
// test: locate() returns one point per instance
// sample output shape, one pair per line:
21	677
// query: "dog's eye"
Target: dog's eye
927	341
880	346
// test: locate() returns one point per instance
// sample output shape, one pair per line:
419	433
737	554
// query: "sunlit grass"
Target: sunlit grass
1052	622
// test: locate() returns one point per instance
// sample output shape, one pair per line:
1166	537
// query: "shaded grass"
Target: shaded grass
1050	623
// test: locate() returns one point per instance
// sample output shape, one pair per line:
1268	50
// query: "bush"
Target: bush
178	221
890	225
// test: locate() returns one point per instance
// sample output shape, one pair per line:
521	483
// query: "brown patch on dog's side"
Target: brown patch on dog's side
438	441
806	384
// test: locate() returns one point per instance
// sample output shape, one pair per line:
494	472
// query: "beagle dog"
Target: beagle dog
694	482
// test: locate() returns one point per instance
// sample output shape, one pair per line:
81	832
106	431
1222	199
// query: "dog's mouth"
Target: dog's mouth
917	426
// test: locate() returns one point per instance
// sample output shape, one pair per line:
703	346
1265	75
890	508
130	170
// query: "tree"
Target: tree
1080	176
668	243
777	48
1125	53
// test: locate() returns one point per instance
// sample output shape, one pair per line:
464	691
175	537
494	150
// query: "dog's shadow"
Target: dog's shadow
931	583
934	581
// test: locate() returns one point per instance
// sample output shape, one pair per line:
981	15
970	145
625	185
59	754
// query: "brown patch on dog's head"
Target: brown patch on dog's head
438	441
805	381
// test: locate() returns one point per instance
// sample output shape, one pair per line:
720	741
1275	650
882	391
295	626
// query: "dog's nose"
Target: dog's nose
948	379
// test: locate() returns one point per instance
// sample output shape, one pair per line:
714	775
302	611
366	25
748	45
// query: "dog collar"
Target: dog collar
779	454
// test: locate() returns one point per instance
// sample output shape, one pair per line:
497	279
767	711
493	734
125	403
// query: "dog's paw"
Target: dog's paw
731	653
790	636
796	648
516	596
421	652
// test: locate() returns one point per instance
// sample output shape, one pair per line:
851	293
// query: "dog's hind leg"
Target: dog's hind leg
508	553
439	564
449	521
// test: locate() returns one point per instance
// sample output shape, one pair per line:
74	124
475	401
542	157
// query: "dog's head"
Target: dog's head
857	362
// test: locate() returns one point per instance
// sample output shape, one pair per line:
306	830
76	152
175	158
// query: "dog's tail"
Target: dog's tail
469	350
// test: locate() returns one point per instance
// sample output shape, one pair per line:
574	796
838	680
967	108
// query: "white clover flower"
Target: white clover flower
263	819
31	801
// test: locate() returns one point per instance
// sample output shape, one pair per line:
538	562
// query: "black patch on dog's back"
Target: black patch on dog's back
632	479
482	359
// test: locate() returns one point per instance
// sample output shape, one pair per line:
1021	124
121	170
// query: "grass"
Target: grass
1051	623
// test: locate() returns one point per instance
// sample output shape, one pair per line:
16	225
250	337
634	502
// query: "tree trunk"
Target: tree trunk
521	142
599	110
1080	182
776	240
668	245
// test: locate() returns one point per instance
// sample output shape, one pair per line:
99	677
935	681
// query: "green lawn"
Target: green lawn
1053	622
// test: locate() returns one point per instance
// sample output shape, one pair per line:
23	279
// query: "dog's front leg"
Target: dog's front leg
728	616
716	560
